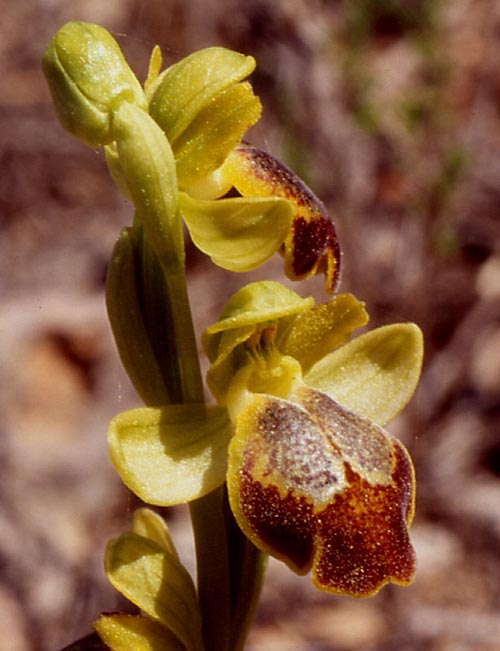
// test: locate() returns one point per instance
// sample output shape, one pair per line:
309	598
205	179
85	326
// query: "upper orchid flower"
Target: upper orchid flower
313	478
177	145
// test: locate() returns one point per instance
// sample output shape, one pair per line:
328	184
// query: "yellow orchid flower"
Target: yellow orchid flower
313	479
204	109
176	145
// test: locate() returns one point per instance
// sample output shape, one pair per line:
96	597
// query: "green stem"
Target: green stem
167	315
225	559
212	560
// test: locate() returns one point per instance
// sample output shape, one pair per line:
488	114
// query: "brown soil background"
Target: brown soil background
391	111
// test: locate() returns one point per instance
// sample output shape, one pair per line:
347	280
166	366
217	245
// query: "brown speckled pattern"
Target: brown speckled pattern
352	529
312	246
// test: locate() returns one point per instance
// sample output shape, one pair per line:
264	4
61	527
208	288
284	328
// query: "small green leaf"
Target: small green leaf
214	132
170	455
150	525
157	583
374	375
185	88
89	79
122	632
313	334
238	234
115	169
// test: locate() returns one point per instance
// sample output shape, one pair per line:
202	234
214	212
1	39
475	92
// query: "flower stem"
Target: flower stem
228	576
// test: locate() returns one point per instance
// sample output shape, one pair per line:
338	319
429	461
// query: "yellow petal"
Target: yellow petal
122	632
238	234
313	334
188	86
214	132
157	583
170	455
374	375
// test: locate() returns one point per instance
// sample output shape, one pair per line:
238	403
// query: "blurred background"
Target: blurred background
390	110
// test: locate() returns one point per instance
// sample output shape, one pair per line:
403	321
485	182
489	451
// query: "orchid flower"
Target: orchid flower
313	479
178	143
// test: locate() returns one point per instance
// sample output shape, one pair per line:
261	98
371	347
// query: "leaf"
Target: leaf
126	318
172	454
147	167
374	375
238	234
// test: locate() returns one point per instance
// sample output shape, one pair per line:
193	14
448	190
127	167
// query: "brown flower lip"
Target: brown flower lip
321	488
312	246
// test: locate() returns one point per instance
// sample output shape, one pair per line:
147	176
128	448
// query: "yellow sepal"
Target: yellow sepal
172	454
238	234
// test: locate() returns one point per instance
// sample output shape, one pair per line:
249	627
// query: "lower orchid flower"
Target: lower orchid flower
312	477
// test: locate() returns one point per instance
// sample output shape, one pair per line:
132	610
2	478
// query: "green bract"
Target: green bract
148	168
145	567
89	79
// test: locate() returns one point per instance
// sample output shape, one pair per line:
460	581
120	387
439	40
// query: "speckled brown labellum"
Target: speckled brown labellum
312	246
319	487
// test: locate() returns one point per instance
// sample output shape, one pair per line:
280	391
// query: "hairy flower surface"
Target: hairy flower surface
313	478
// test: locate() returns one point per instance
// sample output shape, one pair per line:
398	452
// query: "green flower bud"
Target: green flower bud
89	78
